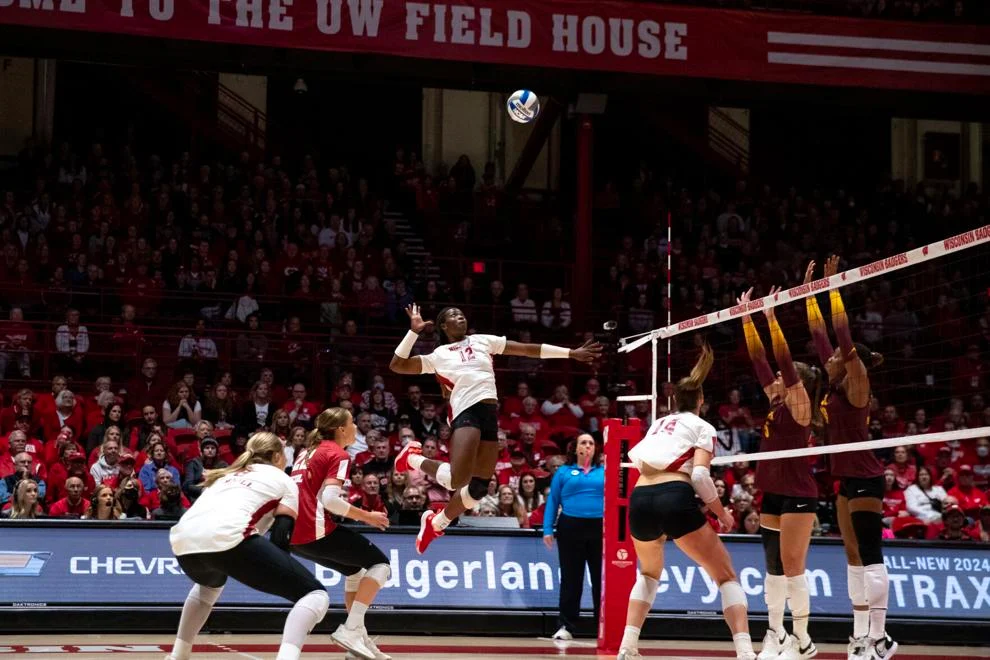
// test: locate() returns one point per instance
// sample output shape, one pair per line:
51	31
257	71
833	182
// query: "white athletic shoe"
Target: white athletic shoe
794	651
353	641
628	654
370	643
772	646
563	634
881	649
857	647
746	656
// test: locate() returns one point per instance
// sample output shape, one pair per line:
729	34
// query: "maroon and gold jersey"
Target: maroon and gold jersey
845	423
785	476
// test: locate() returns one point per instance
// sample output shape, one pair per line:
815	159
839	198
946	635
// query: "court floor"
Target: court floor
264	647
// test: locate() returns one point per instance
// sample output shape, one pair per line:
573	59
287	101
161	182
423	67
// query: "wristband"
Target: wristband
551	352
406	345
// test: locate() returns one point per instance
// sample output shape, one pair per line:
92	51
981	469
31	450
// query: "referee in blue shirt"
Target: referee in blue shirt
578	489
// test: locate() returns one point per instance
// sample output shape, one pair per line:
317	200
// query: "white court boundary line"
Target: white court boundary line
944	436
913	257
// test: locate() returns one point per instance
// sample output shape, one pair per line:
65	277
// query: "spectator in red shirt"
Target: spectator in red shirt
278	394
128	339
953	525
17	340
148	388
981	466
970	498
23	405
72	505
969	373
589	400
434	491
163	477
530	415
377	459
517	467
513	405
903	467
893	425
66	414
17	441
369	498
734	414
560	411
72	464
981	529
301	411
735	474
893	498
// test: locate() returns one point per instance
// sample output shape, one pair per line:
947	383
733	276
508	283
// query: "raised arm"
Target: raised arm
401	362
589	351
754	345
819	332
857	383
796	397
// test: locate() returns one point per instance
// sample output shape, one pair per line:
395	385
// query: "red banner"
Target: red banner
629	37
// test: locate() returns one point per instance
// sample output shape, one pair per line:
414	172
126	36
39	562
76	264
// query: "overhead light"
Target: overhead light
300	87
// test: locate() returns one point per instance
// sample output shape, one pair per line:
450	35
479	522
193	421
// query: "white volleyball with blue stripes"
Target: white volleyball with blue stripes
523	106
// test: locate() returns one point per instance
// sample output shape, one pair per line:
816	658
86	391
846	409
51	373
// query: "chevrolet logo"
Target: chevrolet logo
23	564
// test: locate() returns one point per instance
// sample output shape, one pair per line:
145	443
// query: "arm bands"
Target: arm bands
406	345
332	502
281	532
551	352
701	479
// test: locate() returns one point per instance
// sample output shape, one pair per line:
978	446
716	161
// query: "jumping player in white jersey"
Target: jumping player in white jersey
321	470
463	365
221	536
673	461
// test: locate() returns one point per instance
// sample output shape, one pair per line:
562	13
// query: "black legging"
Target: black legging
255	562
579	542
343	550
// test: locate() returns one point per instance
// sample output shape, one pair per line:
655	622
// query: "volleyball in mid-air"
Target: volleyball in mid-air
523	106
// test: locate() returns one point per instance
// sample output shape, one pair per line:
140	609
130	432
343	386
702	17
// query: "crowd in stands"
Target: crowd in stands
298	267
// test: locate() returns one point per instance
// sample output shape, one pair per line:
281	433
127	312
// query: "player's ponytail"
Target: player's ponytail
811	378
326	425
261	447
688	392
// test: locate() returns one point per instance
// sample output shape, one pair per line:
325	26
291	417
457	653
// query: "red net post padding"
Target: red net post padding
618	553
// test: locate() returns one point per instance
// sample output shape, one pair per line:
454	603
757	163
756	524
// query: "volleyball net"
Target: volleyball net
925	310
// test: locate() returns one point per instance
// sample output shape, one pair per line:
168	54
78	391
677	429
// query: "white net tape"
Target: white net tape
890	264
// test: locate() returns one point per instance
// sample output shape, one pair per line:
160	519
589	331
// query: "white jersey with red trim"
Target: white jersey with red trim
670	443
234	508
312	469
465	368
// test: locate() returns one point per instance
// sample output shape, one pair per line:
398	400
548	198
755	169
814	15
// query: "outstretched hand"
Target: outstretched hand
832	265
745	297
809	273
416	322
769	311
589	351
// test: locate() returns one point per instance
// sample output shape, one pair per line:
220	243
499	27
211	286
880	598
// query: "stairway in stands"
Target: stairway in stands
426	269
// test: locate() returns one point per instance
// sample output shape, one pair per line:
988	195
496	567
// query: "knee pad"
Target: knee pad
771	550
645	589
798	595
380	573
317	602
478	487
877	586
869	536
855	579
732	595
351	582
208	595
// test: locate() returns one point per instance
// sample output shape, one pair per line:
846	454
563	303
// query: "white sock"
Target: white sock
800	603
305	614
355	618
440	521
775	596
877	591
195	611
855	576
443	476
630	638
743	643
416	460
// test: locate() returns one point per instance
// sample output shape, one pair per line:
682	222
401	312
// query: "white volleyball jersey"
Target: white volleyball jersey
465	368
234	508
670	443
